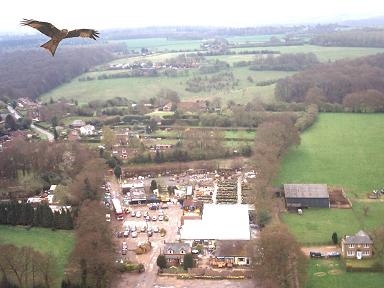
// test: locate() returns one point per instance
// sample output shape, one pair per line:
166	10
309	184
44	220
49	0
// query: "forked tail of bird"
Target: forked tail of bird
51	46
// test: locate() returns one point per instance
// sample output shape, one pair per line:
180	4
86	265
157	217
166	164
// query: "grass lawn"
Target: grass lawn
326	273
316	226
340	149
58	243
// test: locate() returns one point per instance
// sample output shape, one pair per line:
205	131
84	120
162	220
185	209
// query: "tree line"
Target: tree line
367	37
15	213
336	83
277	257
284	62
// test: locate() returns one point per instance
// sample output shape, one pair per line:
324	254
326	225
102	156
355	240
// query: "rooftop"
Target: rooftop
306	191
239	248
219	222
359	238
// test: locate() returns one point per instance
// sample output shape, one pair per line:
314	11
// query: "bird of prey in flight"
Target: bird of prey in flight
57	35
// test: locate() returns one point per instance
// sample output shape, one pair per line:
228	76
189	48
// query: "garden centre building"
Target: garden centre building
218	222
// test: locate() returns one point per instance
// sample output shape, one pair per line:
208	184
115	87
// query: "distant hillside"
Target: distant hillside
368	22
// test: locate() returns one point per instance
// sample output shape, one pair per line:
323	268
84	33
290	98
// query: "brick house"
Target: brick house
357	246
238	252
174	253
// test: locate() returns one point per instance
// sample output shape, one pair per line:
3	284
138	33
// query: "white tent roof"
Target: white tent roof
219	222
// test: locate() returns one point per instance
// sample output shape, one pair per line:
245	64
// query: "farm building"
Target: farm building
306	195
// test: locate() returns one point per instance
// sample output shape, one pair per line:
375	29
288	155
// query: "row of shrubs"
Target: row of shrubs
209	277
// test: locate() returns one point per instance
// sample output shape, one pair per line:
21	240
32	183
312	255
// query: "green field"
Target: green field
317	225
340	149
324	54
331	273
137	89
160	44
58	243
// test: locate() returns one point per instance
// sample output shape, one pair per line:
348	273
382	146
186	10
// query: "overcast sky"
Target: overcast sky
107	14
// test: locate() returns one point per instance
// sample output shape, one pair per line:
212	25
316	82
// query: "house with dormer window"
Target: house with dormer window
357	246
174	252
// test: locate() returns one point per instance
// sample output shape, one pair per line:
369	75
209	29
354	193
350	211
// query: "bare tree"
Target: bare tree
93	234
279	261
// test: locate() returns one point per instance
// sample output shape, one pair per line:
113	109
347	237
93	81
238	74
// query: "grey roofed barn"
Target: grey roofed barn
306	195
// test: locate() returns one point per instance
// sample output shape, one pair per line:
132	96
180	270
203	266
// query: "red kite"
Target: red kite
58	35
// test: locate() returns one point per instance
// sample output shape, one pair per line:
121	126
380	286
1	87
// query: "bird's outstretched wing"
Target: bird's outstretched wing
44	27
90	33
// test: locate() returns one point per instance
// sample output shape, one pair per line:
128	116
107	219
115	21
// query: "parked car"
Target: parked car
126	233
149	233
138	214
154	218
334	254
123	251
315	254
125	245
156	229
108	217
143	228
134	234
161	218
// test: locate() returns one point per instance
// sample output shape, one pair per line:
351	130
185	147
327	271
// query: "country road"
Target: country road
39	130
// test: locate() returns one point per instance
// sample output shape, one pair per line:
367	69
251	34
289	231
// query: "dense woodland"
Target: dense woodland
337	82
30	73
